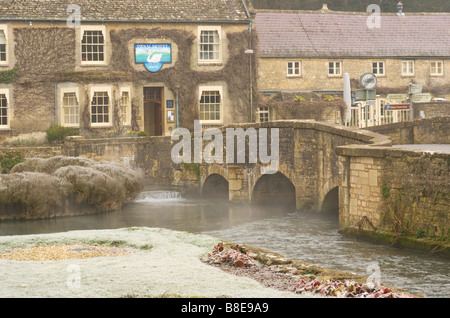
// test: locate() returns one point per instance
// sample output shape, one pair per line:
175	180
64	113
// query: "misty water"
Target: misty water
308	237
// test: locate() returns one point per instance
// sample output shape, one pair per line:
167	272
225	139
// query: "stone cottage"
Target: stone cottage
312	50
113	66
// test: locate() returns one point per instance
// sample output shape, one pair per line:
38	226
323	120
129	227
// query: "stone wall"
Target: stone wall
314	75
434	130
432	109
395	195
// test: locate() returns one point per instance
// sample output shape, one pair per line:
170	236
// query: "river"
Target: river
308	237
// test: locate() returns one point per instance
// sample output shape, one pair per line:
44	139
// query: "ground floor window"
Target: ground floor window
101	107
70	109
263	114
125	106
211	104
4	109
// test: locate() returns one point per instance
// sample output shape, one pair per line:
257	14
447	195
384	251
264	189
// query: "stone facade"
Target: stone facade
314	76
48	77
395	195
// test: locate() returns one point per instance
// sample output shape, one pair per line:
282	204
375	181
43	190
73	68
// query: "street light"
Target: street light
250	52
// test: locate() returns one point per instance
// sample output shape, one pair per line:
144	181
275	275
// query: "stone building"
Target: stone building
113	66
312	50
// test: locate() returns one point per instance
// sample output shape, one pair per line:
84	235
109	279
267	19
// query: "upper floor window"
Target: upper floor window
335	68
209	50
210	104
378	68
93	45
101	108
3	45
437	68
70	108
294	68
408	68
4	108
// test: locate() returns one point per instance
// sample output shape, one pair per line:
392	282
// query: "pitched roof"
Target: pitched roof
127	10
314	34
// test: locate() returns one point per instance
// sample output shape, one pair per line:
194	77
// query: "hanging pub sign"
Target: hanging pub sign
153	56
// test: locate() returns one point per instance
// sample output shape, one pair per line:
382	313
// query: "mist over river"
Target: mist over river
308	237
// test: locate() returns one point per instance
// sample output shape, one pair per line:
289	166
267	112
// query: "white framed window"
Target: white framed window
93	45
3	44
335	68
70	107
100	106
209	45
263	114
210	106
4	109
378	68
437	68
125	106
294	69
407	68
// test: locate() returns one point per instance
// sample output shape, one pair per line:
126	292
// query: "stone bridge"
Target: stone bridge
307	174
382	192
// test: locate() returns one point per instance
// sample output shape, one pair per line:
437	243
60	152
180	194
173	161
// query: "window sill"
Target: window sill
83	64
101	125
209	63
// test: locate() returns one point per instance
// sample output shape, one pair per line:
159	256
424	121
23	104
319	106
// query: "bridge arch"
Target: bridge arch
274	189
330	203
215	187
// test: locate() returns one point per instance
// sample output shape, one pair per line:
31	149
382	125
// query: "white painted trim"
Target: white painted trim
201	89
64	90
5	91
101	88
219	32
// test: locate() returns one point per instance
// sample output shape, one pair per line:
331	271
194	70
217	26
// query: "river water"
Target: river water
308	237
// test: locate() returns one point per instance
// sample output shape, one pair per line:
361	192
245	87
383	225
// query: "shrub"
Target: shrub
9	160
56	133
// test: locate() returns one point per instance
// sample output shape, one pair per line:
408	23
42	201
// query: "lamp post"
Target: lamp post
250	53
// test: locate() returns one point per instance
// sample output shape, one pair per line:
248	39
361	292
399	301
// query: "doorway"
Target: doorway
153	111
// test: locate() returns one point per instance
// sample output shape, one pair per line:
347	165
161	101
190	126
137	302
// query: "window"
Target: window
437	68
378	68
125	106
101	107
294	69
209	45
211	104
70	109
3	45
4	109
334	68
263	114
408	68
93	45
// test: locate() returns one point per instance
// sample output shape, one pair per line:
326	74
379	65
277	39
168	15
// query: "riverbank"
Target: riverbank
141	262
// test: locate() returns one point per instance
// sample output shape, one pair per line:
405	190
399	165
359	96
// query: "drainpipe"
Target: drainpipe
56	105
176	106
